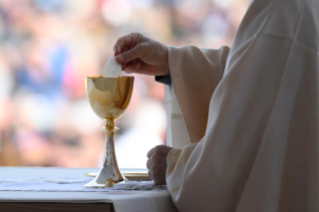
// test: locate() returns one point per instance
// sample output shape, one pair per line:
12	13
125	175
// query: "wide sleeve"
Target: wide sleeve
195	74
176	161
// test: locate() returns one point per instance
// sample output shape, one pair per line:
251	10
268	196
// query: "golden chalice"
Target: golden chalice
109	98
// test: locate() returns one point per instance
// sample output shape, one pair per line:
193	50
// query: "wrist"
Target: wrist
166	66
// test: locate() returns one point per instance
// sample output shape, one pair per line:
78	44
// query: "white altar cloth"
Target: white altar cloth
31	180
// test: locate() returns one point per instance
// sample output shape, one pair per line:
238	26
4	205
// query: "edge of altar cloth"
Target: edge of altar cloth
122	201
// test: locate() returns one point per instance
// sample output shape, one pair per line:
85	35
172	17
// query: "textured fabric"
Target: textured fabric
195	74
65	185
256	118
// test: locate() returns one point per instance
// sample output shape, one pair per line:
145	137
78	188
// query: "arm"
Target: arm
195	73
195	79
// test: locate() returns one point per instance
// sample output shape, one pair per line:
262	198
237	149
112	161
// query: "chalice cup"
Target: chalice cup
109	98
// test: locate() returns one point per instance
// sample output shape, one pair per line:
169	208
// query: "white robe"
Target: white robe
252	115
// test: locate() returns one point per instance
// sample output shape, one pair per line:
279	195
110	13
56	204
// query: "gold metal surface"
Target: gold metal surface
109	98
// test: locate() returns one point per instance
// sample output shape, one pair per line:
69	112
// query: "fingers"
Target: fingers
151	152
139	54
159	149
138	51
157	171
158	175
157	164
127	41
133	67
155	159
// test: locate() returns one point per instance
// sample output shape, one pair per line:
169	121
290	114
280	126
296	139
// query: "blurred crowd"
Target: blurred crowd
48	47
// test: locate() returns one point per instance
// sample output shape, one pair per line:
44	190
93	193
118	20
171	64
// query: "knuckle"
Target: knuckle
150	153
135	34
143	46
120	39
156	158
158	148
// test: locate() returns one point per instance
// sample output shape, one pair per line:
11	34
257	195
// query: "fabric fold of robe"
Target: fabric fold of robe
254	121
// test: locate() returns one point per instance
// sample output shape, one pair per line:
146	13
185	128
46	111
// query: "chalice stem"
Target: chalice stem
110	172
109	152
110	156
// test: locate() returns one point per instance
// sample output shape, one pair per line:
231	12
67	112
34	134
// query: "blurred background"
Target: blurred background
47	47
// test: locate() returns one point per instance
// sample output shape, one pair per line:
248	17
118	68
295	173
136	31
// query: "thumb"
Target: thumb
137	52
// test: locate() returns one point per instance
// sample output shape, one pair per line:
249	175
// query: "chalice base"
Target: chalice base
109	174
105	180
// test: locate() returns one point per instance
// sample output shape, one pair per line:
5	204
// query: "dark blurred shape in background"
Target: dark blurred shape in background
47	47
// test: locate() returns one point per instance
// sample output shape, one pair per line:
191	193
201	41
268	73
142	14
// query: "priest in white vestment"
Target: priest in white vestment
252	113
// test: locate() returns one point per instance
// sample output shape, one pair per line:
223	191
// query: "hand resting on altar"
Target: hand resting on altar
157	164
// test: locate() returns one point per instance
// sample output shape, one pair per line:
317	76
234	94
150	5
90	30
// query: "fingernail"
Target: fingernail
120	58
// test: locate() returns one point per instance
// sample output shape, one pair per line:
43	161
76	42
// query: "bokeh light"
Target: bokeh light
47	47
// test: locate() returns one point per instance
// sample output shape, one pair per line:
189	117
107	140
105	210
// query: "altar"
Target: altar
60	189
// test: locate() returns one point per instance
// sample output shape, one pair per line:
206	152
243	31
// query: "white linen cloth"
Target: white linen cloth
252	114
65	185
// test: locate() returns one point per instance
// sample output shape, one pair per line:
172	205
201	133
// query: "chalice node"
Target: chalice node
109	98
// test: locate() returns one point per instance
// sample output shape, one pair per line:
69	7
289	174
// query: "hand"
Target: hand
139	54
157	164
